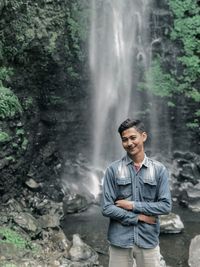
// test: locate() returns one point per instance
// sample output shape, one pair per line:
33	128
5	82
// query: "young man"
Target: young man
135	191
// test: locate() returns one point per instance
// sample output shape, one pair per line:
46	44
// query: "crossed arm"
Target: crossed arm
129	205
129	212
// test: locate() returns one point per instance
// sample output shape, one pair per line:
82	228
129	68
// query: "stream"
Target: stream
92	227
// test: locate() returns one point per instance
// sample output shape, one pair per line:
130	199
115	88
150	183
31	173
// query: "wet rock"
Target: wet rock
194	197
186	166
44	206
171	224
26	221
31	183
50	248
49	221
194	252
186	179
189	196
3	163
73	203
81	251
82	179
13	205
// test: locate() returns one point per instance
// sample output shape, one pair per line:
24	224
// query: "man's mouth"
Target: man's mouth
131	148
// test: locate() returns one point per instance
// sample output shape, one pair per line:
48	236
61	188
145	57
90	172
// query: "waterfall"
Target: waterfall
119	55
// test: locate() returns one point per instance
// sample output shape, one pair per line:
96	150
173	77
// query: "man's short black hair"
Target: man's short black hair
137	124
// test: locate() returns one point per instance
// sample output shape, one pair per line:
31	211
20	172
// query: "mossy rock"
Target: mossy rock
4	138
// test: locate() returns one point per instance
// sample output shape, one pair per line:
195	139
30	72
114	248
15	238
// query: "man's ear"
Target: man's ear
144	136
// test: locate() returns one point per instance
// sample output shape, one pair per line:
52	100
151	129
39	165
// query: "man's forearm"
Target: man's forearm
149	208
147	219
129	205
125	217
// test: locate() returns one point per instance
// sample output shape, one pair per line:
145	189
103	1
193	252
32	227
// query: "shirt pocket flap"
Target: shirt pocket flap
150	181
123	181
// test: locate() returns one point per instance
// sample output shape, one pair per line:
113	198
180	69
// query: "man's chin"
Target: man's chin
131	153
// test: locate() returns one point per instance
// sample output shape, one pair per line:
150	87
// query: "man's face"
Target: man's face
133	141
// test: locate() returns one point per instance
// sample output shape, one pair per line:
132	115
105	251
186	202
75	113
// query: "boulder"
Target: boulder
194	252
171	224
185	175
27	222
73	203
80	252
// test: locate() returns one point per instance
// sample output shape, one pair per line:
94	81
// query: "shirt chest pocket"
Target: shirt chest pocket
149	188
124	187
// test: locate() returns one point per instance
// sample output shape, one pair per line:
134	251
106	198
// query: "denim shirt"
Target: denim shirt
148	189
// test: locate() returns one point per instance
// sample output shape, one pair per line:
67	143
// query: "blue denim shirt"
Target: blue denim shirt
148	188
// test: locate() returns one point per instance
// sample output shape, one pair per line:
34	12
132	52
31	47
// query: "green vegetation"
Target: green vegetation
181	79
160	83
5	74
10	265
77	24
24	143
11	159
9	103
4	137
28	103
20	131
12	237
187	31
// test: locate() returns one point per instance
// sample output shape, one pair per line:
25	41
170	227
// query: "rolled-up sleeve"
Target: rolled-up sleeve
109	209
163	203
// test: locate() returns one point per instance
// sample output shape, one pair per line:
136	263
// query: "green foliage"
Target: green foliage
182	78
56	100
186	30
160	83
28	103
14	238
9	265
24	143
20	131
4	137
5	74
78	26
9	103
11	159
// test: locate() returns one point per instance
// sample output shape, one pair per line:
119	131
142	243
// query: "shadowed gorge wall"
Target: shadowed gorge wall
45	43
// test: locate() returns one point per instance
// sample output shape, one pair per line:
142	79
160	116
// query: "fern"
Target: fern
9	103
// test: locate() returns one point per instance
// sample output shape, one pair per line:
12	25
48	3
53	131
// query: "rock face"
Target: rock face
171	224
186	179
30	238
194	252
50	81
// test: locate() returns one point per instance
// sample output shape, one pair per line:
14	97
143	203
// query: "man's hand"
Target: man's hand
124	204
129	205
147	219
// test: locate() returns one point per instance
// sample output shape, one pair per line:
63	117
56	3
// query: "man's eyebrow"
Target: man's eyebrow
125	137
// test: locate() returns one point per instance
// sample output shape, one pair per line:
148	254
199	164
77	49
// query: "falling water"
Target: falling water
119	53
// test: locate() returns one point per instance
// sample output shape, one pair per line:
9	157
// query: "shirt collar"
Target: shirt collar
145	161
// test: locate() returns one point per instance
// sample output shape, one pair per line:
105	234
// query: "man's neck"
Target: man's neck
138	159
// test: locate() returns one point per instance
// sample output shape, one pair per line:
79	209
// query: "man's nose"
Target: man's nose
129	143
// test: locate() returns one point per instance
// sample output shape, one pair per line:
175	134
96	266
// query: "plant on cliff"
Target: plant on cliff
4	137
182	78
9	103
77	24
10	236
186	30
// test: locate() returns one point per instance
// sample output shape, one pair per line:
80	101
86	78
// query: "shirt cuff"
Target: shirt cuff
137	207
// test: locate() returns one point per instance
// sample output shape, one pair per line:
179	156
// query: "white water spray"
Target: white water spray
119	46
